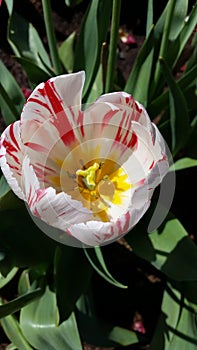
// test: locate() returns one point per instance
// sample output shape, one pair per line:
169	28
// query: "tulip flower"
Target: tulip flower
89	172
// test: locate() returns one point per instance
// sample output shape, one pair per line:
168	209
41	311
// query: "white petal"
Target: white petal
11	157
58	210
94	233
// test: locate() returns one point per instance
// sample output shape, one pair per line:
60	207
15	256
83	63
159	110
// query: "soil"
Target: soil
147	283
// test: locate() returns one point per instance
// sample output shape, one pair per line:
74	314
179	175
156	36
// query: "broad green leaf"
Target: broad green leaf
5	280
180	10
72	2
16	98
91	37
100	267
184	163
18	303
36	75
169	248
176	328
12	329
178	19
179	117
66	52
72	276
40	325
26	42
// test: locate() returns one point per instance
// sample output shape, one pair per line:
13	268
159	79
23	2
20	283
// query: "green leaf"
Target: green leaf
22	244
4	187
179	117
169	248
92	34
191	149
140	64
40	325
36	75
189	26
149	21
72	2
162	101
178	19
11	110
191	62
11	347
9	4
66	52
99	333
184	163
123	337
72	276
176	328
26	42
97	87
102	269
16	304
12	329
5	280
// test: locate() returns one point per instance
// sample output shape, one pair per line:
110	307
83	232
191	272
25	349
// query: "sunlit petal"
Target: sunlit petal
58	210
11	157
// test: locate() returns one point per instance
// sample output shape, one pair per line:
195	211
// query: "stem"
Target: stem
46	4
111	65
10	105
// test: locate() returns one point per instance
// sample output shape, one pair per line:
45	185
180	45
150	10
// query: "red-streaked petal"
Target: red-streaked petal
112	116
11	157
146	155
57	210
58	102
93	233
123	100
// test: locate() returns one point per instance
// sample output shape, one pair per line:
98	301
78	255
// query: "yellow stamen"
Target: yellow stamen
89	175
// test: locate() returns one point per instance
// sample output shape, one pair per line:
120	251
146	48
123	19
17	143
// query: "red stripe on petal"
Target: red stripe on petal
108	116
120	128
60	120
152	164
133	141
13	136
36	147
80	122
9	147
41	103
127	221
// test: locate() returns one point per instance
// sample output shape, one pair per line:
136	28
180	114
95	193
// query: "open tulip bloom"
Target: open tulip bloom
90	173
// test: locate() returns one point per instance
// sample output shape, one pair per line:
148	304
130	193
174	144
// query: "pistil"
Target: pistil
89	176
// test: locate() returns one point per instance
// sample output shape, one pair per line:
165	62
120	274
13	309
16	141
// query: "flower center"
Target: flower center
102	186
89	176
